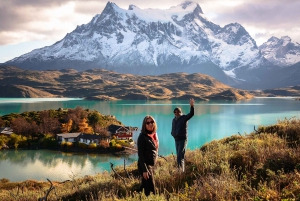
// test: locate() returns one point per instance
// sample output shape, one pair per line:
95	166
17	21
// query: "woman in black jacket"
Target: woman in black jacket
147	144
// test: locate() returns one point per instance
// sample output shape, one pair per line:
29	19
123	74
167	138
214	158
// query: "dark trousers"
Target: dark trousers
148	185
180	151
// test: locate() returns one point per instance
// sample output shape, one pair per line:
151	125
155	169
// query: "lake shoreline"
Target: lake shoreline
79	150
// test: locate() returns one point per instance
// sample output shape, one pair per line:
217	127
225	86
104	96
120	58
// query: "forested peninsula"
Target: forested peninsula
39	129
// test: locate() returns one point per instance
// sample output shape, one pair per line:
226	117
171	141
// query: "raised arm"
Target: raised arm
192	102
191	114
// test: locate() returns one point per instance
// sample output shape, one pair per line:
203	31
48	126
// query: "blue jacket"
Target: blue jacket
180	125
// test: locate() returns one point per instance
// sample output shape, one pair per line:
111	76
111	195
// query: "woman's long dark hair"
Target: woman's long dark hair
144	124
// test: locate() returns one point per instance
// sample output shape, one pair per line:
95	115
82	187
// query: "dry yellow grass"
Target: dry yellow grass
259	166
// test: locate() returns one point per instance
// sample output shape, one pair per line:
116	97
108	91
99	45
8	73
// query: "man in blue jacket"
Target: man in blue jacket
179	132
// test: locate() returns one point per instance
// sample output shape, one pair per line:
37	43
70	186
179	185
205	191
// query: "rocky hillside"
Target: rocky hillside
99	84
22	91
277	92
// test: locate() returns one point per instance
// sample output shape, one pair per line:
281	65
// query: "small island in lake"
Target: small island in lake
71	130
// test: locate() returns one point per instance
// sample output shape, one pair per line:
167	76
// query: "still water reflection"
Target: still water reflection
19	165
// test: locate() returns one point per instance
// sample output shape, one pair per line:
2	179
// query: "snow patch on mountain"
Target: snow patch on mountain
282	52
174	39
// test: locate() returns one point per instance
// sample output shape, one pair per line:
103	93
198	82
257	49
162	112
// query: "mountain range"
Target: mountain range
179	39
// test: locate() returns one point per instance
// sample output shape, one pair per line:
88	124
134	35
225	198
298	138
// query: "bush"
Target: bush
112	143
15	140
48	141
69	144
92	146
66	144
4	180
63	144
3	141
82	145
118	147
103	144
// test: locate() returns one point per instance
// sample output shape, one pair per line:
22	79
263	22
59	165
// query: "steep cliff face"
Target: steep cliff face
282	52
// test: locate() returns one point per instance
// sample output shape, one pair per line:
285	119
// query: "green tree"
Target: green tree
94	119
15	140
3	140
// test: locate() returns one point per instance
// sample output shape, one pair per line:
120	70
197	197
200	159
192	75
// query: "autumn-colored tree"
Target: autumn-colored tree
103	144
33	130
22	126
84	127
48	124
76	115
103	132
66	127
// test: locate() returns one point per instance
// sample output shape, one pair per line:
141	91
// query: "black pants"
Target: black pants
148	185
180	151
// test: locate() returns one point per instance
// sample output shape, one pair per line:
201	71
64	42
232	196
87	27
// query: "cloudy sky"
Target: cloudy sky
26	25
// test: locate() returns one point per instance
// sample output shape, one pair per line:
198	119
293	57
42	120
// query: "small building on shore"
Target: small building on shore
120	133
81	137
124	133
67	137
7	131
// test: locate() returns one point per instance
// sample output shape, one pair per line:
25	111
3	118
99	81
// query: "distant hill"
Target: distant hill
21	91
285	91
99	84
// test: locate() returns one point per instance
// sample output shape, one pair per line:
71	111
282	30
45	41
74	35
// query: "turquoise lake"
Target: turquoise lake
213	120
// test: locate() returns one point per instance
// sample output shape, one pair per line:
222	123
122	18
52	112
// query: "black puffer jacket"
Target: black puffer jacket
147	151
180	125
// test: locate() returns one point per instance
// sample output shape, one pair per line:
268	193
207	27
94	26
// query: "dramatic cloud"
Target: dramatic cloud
263	18
23	21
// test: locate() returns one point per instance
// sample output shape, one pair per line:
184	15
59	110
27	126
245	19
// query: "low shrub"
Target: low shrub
92	146
104	144
66	144
82	145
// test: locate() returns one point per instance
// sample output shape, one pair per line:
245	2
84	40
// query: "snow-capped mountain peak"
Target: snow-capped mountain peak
282	52
151	41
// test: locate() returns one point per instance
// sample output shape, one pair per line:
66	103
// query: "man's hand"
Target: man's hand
192	101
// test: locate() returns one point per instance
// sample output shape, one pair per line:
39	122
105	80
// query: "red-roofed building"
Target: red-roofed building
123	133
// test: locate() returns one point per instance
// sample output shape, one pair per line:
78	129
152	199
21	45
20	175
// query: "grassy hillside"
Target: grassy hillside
262	165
